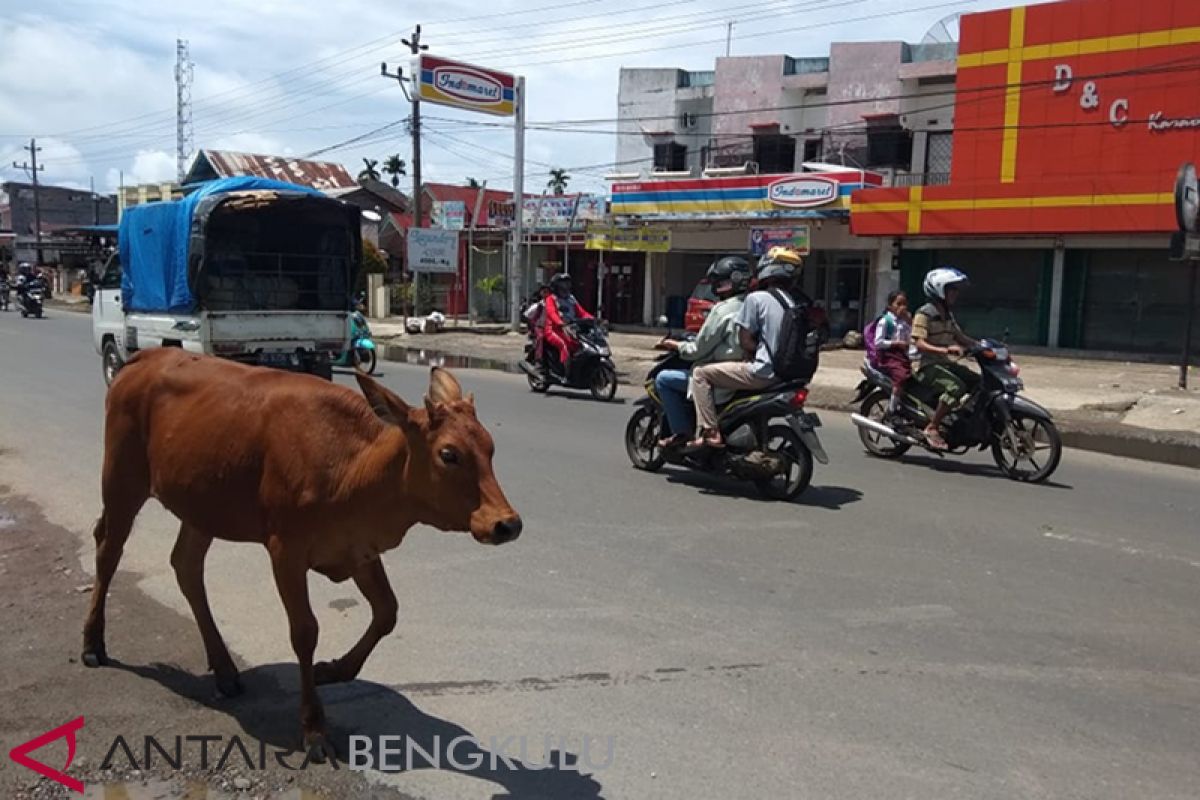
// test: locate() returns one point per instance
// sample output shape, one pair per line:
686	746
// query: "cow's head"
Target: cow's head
449	475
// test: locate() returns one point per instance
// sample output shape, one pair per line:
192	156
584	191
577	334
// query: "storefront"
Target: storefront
1060	201
713	217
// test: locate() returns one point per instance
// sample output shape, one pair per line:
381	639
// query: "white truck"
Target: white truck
244	268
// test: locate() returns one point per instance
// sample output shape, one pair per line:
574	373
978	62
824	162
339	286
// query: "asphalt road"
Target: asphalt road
921	629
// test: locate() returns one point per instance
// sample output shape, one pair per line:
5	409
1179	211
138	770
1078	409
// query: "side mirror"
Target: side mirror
663	321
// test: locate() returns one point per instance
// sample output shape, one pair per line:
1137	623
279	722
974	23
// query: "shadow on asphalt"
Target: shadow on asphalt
568	394
950	464
269	712
828	497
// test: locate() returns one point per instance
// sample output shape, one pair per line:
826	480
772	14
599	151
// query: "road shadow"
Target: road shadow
571	394
269	712
955	466
828	497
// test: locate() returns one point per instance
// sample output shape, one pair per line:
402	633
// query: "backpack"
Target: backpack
799	348
869	341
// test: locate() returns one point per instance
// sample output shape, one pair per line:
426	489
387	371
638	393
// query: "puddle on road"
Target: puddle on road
435	358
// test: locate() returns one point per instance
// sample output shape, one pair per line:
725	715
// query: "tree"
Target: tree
395	166
558	180
472	183
369	173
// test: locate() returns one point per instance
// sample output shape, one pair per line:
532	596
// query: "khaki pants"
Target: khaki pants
727	375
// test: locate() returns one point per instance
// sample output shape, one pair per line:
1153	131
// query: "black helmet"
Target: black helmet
559	280
734	269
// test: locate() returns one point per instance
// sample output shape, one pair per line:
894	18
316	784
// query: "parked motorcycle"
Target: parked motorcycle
777	456
29	301
590	367
1024	440
361	354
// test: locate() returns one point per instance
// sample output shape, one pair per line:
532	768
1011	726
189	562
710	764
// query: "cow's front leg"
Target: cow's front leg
291	578
372	581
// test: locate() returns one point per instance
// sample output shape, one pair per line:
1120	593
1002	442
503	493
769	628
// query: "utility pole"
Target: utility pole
95	201
728	38
516	274
183	107
415	47
32	169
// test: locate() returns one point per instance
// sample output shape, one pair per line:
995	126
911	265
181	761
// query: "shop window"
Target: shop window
774	153
938	149
888	143
812	150
670	157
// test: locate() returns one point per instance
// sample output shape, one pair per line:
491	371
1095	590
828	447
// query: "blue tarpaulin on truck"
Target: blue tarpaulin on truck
153	240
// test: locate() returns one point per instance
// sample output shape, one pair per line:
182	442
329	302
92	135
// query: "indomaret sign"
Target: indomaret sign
453	83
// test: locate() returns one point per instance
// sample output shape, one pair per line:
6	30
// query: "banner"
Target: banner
551	213
432	250
450	215
453	83
629	240
763	239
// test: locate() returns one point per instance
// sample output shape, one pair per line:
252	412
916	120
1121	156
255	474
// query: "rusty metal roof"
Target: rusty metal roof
322	175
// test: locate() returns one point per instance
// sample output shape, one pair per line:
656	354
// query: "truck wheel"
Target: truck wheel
111	358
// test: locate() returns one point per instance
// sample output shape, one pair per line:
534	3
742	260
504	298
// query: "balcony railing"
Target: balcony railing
921	179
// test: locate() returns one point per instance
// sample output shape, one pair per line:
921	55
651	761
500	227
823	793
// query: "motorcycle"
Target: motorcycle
776	458
361	354
1024	440
29	301
590	367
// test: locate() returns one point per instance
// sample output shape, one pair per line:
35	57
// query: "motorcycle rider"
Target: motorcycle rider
937	336
562	309
4	288
759	324
718	341
535	317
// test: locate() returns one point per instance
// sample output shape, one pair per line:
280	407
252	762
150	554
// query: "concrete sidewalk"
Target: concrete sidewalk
1125	408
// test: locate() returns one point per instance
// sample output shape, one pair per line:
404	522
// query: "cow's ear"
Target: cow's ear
384	402
444	388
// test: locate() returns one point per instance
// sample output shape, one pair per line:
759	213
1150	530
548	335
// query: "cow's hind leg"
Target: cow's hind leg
188	560
110	533
372	581
291	578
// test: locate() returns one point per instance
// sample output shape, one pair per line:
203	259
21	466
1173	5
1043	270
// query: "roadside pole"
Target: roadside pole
515	276
471	251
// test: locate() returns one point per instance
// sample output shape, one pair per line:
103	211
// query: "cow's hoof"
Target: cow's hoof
96	657
319	748
229	685
328	672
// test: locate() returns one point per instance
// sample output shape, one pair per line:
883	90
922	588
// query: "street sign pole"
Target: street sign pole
517	274
1187	334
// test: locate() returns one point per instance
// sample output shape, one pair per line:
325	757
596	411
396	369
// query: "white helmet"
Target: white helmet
941	279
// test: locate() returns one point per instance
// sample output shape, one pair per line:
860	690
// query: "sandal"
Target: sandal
707	438
935	440
675	440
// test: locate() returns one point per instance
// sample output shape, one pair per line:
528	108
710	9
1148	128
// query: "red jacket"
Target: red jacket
555	319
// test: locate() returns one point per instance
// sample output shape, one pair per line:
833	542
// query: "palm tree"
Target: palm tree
369	173
395	166
558	180
472	183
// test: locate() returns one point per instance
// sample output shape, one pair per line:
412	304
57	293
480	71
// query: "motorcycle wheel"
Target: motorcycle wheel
783	441
112	362
538	382
364	360
604	383
641	440
1037	453
875	408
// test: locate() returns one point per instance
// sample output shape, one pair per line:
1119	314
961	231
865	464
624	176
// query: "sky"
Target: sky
94	80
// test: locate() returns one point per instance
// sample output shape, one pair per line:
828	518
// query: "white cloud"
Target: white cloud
101	76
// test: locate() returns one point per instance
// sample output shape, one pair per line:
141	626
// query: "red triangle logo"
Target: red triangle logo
20	754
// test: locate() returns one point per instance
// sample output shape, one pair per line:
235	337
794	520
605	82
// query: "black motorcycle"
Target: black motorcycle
777	457
590	367
29	301
1021	434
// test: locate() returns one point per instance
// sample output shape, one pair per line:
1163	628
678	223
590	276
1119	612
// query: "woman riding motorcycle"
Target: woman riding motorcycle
729	279
562	309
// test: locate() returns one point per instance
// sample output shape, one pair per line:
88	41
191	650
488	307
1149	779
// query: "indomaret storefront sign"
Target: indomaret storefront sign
799	195
1070	117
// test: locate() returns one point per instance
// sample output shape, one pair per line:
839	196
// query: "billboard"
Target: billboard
449	215
454	83
432	250
629	240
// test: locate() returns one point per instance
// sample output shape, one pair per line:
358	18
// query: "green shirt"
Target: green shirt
718	338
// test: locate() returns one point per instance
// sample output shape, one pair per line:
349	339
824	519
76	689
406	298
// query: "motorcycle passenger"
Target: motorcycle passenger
937	336
535	317
562	309
759	325
718	341
893	337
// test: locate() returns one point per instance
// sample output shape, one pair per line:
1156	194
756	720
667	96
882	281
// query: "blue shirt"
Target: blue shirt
762	315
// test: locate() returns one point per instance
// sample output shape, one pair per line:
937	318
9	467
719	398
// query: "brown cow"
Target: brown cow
325	480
